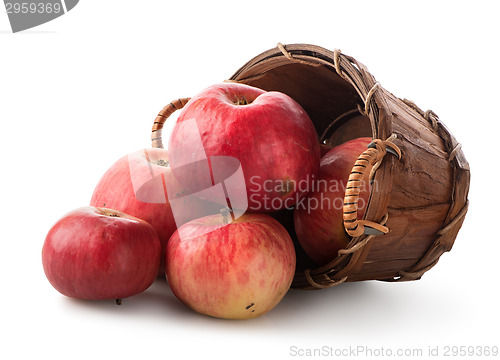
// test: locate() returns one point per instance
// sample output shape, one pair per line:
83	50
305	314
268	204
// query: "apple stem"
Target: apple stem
161	162
241	101
118	301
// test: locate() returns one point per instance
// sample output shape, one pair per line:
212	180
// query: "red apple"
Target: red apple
267	135
318	218
98	254
141	184
236	271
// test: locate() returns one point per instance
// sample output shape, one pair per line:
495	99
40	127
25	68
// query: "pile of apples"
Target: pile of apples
203	213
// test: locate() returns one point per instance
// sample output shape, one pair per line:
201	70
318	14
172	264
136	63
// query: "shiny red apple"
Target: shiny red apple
100	254
141	184
318	218
235	270
268	135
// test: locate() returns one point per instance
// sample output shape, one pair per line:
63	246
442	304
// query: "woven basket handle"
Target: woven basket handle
371	156
162	117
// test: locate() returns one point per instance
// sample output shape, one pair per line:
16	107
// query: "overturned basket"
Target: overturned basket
420	201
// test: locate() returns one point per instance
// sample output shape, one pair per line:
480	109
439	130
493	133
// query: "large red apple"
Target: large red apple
234	270
231	127
98	254
141	184
318	218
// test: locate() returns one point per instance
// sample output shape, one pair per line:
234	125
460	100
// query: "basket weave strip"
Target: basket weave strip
372	156
156	132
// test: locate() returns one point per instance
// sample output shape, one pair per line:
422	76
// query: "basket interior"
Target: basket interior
330	101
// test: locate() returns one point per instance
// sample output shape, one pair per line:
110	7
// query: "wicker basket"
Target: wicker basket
420	201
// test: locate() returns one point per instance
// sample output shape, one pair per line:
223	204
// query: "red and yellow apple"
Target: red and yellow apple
101	254
269	135
236	270
318	218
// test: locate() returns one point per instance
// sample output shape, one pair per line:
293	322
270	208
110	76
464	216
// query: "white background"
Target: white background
81	91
